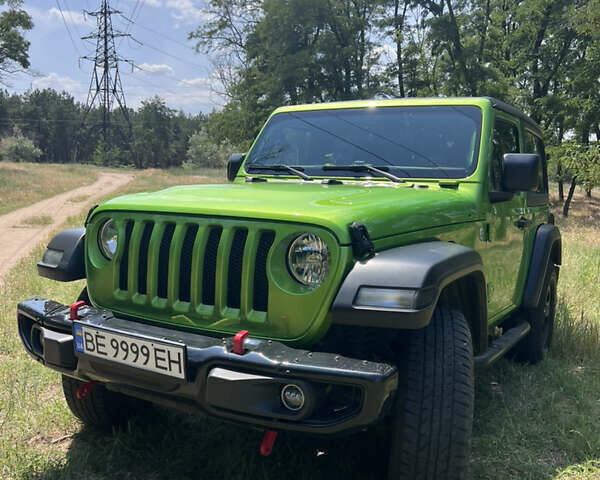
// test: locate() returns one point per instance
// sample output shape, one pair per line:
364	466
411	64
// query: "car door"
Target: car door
536	202
506	223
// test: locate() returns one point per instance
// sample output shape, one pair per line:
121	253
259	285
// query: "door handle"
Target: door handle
522	222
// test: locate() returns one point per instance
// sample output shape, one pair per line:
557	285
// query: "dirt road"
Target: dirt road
22	230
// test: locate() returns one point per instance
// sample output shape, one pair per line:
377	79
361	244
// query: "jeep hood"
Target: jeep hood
385	209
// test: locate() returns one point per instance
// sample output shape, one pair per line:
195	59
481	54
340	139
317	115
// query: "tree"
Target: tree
582	165
204	153
153	134
14	48
18	148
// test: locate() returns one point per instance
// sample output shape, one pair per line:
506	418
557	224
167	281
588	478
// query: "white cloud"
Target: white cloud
151	3
71	17
158	69
195	82
58	83
185	11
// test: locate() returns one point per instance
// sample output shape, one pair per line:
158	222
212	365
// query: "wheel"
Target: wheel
433	411
102	409
534	347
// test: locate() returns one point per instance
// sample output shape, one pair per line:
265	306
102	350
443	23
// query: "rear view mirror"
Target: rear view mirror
520	172
233	165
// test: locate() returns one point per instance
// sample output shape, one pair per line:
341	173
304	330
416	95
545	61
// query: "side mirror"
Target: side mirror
520	172
233	165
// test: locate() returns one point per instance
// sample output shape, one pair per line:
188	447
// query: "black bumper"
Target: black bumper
343	394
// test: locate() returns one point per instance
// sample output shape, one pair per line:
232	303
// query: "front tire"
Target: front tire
103	408
433	412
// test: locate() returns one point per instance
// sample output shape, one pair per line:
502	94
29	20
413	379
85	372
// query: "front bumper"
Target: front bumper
343	394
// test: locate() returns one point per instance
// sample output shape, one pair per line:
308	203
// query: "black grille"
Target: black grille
143	258
163	261
210	266
261	283
185	263
123	268
234	275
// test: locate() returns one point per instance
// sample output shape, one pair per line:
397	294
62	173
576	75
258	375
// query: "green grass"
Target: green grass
531	422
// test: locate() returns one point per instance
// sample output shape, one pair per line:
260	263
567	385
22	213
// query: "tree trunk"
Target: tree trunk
561	190
399	31
588	193
569	197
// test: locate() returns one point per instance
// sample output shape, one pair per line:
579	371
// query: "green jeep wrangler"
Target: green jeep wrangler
365	258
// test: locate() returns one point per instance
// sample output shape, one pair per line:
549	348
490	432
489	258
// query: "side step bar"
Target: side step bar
501	345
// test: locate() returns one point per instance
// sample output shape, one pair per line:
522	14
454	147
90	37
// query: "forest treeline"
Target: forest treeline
48	126
540	55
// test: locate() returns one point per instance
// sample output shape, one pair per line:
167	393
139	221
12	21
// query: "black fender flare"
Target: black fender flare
425	268
547	250
63	259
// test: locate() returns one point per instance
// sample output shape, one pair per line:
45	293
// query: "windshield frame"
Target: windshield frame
317	172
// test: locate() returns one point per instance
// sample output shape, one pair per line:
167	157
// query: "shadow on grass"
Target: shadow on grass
167	445
531	422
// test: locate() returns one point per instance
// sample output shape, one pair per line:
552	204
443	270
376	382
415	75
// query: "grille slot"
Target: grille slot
234	274
261	284
143	258
210	266
123	268
185	263
163	261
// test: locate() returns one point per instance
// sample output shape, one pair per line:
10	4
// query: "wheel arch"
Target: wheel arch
63	259
468	295
436	271
546	252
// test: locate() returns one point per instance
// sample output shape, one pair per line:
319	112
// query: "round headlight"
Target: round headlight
107	238
308	260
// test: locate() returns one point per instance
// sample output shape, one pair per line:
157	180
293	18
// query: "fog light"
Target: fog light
292	397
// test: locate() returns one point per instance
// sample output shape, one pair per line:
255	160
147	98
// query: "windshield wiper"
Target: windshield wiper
282	168
365	168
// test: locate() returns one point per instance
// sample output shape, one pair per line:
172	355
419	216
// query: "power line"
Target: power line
67	27
137	3
146	44
179	42
171	55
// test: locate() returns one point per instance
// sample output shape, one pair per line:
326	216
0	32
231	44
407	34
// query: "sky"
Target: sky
167	64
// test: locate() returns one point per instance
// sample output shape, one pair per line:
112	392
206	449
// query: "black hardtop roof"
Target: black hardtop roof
505	107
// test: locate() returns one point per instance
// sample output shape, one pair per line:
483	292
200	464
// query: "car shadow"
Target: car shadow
161	444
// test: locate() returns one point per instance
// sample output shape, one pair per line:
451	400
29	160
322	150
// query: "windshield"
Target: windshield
410	142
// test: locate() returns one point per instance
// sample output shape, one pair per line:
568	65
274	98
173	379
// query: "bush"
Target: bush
18	148
204	153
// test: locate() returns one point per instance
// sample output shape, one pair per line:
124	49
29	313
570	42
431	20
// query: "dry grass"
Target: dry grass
22	184
37	221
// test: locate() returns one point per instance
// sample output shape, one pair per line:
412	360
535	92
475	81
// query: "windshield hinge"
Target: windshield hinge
362	247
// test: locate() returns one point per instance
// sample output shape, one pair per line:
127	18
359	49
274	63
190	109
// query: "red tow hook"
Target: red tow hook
74	310
238	342
84	390
266	447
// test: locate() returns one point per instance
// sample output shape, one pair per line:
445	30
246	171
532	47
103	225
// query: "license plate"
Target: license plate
148	354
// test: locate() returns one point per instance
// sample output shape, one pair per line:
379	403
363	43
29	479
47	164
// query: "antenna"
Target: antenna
105	84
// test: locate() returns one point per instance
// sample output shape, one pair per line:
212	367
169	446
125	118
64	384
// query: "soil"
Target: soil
20	235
